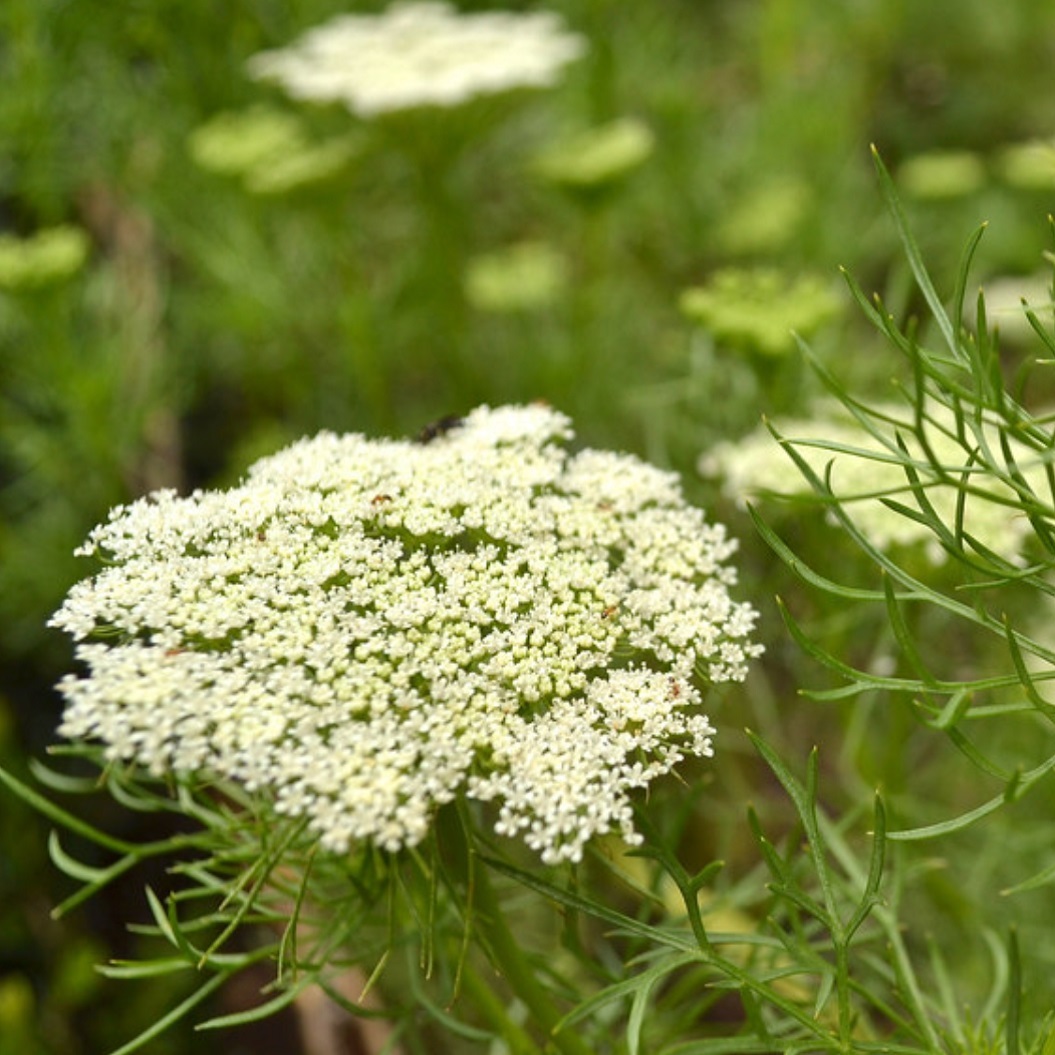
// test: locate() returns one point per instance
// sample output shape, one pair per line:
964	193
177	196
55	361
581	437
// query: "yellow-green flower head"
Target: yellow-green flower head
522	277
1028	166
418	54
765	217
45	258
760	309
270	151
365	629
598	156
940	174
238	141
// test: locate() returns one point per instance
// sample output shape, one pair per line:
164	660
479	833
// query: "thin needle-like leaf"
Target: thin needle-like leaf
804	798
1014	791
203	992
63	817
870	894
915	258
1014	995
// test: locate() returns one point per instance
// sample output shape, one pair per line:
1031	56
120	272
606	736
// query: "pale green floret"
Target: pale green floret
763	217
760	309
365	629
942	174
527	276
1029	165
598	157
237	142
43	259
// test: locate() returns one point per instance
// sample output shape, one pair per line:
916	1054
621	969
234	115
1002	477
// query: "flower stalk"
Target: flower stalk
493	935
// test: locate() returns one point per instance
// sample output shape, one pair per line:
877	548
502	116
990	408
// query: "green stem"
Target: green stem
495	938
494	1011
509	959
441	254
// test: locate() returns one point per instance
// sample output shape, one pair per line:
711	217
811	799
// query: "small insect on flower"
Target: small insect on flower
610	611
380	500
435	429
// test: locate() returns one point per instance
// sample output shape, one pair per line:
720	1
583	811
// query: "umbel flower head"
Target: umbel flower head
417	54
270	151
760	309
43	259
365	629
862	471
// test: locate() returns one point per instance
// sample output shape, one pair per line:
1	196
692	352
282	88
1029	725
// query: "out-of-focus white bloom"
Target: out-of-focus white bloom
364	629
420	54
866	471
1008	298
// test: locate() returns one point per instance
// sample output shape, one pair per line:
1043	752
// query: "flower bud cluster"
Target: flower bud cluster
364	629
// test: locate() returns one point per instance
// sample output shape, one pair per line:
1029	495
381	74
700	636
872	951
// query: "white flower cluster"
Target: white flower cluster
364	629
864	472
421	53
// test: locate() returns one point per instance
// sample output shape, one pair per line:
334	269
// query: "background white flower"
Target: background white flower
420	54
864	471
363	629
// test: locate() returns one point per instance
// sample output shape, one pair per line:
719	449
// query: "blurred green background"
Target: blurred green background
194	271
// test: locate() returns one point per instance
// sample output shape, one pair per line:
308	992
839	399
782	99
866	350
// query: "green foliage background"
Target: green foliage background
211	324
